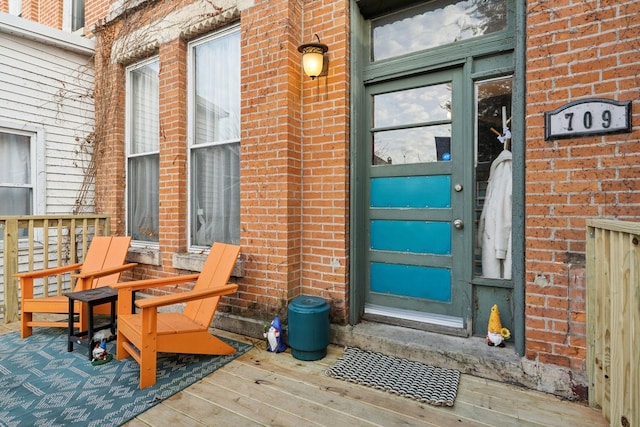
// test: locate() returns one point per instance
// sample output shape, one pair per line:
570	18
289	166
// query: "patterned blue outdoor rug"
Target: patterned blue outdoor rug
41	384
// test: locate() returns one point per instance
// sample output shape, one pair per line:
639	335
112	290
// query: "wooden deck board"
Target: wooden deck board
355	412
167	416
272	407
198	406
382	405
526	405
260	388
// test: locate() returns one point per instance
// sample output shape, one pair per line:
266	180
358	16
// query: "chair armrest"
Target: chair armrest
127	290
186	296
136	285
49	271
105	272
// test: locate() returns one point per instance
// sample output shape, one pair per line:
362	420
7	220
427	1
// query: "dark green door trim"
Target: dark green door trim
362	72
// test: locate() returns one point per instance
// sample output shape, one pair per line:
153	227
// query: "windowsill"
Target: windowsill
148	255
194	262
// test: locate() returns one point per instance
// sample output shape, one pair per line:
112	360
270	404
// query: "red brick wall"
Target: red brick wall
325	187
109	144
574	50
294	154
47	12
271	156
294	158
173	154
94	11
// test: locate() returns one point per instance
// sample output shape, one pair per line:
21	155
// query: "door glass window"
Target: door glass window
435	23
493	178
412	126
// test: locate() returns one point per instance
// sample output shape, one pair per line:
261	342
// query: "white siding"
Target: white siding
46	87
46	81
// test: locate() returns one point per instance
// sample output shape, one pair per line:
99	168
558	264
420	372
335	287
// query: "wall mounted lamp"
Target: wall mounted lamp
313	58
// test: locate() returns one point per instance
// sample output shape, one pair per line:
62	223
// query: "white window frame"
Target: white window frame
67	17
192	248
37	160
15	7
128	138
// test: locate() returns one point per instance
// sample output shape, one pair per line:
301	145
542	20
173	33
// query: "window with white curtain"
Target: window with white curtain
143	159
16	173
214	139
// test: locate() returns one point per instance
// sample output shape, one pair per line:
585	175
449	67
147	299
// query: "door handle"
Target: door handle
457	223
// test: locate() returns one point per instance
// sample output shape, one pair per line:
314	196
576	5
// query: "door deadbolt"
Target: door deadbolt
458	224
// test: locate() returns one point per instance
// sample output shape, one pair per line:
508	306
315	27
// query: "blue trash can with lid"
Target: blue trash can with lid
308	327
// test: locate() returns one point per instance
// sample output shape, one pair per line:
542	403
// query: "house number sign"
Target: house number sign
594	116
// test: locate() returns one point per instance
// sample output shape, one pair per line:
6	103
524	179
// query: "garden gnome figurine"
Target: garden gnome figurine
274	337
496	334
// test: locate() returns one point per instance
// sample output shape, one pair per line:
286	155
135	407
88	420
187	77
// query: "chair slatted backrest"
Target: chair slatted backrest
216	272
116	256
105	252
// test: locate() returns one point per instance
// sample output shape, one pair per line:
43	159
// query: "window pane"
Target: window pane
215	198
217	89
77	15
417	115
16	190
143	205
15	163
415	145
419	105
16	201
143	179
144	102
493	114
493	178
215	151
434	24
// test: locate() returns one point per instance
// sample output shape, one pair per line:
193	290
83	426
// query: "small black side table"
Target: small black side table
91	297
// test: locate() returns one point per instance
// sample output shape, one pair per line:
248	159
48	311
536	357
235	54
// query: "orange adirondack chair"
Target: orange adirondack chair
102	265
143	335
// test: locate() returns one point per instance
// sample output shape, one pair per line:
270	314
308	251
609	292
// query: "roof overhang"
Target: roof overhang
19	27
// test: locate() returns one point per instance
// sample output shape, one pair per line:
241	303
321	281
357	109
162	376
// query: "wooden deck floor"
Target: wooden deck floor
265	389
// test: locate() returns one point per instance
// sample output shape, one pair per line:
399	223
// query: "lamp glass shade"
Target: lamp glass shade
312	63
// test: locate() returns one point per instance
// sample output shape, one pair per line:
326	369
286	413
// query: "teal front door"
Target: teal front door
416	216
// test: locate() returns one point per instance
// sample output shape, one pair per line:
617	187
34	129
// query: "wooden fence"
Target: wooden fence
36	242
613	319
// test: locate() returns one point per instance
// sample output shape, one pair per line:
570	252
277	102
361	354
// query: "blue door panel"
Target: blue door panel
411	192
425	237
411	281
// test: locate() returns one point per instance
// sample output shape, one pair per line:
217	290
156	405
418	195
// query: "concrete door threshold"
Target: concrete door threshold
468	355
